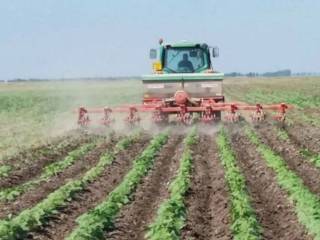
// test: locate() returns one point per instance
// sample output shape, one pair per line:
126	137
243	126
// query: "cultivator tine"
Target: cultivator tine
232	115
133	117
83	117
208	115
106	120
184	116
258	115
281	115
158	116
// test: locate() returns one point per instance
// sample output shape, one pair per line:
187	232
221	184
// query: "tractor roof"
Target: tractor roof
183	44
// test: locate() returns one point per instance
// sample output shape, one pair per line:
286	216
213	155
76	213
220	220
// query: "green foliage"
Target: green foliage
282	134
303	93
31	112
314	158
5	170
172	212
307	205
126	142
244	222
11	193
29	219
92	224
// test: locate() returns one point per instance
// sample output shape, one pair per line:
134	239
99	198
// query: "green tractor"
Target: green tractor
183	80
183	88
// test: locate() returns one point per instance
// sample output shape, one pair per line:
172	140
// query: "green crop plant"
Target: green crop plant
5	170
244	221
306	153
49	171
282	134
171	214
92	224
29	219
307	204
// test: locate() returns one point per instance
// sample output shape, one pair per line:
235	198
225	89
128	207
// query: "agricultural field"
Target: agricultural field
227	181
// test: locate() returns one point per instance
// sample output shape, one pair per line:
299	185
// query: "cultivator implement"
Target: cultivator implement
184	110
184	88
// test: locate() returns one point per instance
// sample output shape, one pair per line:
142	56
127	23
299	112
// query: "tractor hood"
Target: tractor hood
177	77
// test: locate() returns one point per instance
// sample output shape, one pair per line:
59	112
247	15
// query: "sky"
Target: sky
101	38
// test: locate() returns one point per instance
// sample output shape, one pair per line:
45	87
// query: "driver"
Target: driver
185	63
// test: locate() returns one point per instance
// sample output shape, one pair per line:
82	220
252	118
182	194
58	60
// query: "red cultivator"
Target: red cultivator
186	111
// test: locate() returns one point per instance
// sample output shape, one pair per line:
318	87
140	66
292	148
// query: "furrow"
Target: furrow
305	169
207	200
61	224
33	218
307	204
30	198
275	211
25	166
171	214
93	224
134	218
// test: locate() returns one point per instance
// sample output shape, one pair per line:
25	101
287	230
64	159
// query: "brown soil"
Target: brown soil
134	218
29	164
207	200
33	196
291	154
274	210
305	136
60	225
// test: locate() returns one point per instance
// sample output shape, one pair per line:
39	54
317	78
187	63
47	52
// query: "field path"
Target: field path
134	218
61	224
305	169
41	191
207	199
274	210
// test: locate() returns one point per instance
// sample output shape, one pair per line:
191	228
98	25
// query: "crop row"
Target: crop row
49	171
5	170
29	219
172	212
313	157
44	151
244	222
92	224
307	205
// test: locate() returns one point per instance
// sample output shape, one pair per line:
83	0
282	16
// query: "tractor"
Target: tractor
184	88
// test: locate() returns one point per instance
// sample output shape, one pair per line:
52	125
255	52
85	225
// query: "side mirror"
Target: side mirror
215	52
153	54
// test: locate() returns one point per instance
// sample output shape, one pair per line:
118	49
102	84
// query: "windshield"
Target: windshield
184	60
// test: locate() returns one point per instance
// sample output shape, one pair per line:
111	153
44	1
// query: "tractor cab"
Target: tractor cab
183	58
183	66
